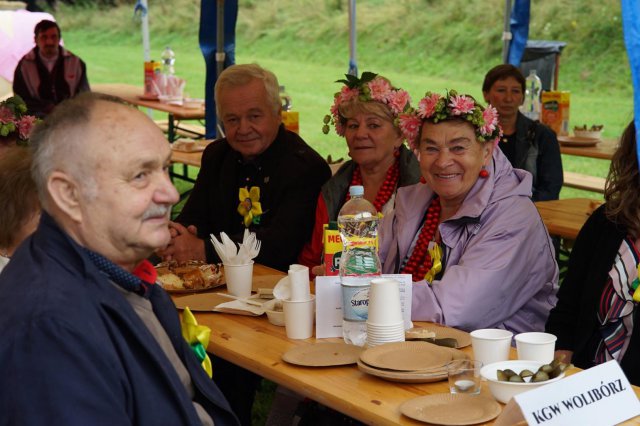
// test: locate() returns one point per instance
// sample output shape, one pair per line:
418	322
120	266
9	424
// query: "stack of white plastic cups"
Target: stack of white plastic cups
385	323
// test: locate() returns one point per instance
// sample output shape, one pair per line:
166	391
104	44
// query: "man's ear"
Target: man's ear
65	194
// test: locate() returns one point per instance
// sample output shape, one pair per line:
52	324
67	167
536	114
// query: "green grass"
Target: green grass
420	45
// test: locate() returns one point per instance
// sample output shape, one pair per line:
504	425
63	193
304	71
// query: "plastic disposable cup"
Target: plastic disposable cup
239	279
491	345
384	302
298	317
536	346
299	279
464	376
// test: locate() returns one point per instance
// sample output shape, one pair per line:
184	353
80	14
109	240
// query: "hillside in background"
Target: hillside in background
419	44
455	39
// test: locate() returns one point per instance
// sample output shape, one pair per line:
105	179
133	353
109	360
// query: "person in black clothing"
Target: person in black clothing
261	177
597	311
528	144
48	74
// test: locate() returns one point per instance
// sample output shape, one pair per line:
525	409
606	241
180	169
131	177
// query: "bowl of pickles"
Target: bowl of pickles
509	378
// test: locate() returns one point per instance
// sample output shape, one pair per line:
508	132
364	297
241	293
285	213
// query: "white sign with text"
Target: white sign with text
329	304
600	395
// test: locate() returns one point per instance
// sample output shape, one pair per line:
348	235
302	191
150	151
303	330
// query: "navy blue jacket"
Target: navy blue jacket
74	352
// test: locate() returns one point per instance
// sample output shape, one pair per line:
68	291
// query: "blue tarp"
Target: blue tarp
208	31
519	31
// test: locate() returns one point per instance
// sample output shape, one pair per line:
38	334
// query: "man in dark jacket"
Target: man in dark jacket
259	163
87	337
48	73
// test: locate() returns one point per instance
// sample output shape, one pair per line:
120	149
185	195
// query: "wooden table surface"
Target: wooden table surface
603	150
131	94
257	345
564	218
189	158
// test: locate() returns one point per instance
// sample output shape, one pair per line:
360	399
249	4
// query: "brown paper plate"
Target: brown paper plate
462	337
435	375
323	355
200	302
577	141
193	290
406	356
450	409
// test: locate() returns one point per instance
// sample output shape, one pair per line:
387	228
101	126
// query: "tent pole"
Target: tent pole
506	32
353	60
146	46
220	54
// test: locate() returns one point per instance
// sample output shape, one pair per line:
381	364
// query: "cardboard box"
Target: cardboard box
291	121
555	111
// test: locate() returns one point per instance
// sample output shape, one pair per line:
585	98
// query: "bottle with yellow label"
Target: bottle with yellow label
290	118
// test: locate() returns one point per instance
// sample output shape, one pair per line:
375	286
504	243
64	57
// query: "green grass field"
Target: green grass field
419	45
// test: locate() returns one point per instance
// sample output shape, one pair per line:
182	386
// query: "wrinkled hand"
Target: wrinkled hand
184	244
318	270
563	356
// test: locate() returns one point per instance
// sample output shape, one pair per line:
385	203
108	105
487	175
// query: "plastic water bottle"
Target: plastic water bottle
359	263
531	107
168	61
285	99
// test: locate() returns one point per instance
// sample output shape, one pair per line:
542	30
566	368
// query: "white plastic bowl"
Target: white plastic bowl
192	103
504	391
276	317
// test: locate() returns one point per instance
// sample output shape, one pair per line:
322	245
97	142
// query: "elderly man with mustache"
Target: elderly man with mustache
88	338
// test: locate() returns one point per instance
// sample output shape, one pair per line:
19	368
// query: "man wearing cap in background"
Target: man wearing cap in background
48	73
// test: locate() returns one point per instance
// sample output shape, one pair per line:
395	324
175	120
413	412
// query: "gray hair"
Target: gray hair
58	142
240	75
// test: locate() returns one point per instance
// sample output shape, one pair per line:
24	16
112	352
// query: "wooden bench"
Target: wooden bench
186	130
585	182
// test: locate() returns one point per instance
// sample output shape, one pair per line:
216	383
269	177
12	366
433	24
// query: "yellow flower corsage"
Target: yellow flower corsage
198	338
249	206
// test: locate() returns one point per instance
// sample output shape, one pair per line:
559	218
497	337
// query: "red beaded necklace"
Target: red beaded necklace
420	261
386	189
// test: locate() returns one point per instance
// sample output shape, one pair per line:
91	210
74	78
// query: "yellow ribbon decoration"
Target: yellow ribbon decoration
198	338
436	263
249	206
636	293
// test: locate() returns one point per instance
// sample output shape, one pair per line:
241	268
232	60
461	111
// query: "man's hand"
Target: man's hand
184	244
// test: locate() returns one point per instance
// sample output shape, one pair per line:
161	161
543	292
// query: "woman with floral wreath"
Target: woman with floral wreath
365	112
470	236
597	308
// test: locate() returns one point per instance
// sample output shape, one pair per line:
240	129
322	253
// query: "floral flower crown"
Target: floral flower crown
15	120
436	108
370	87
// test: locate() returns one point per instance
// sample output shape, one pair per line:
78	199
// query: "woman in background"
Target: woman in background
596	313
365	112
528	144
19	205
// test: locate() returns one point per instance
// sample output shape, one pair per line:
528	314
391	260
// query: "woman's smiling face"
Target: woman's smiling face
451	159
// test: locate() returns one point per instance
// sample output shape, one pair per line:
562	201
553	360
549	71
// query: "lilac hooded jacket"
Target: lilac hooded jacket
500	269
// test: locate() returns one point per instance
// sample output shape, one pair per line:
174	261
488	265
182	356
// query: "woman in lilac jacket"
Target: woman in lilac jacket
470	236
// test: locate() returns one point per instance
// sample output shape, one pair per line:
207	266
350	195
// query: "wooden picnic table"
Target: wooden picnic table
255	344
565	218
602	150
134	95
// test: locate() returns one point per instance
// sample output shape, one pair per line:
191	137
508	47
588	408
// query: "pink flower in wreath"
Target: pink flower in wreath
461	105
397	100
25	125
347	94
410	126
6	116
379	88
490	118
427	105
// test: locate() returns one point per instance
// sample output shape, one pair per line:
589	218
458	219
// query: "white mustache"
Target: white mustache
156	211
